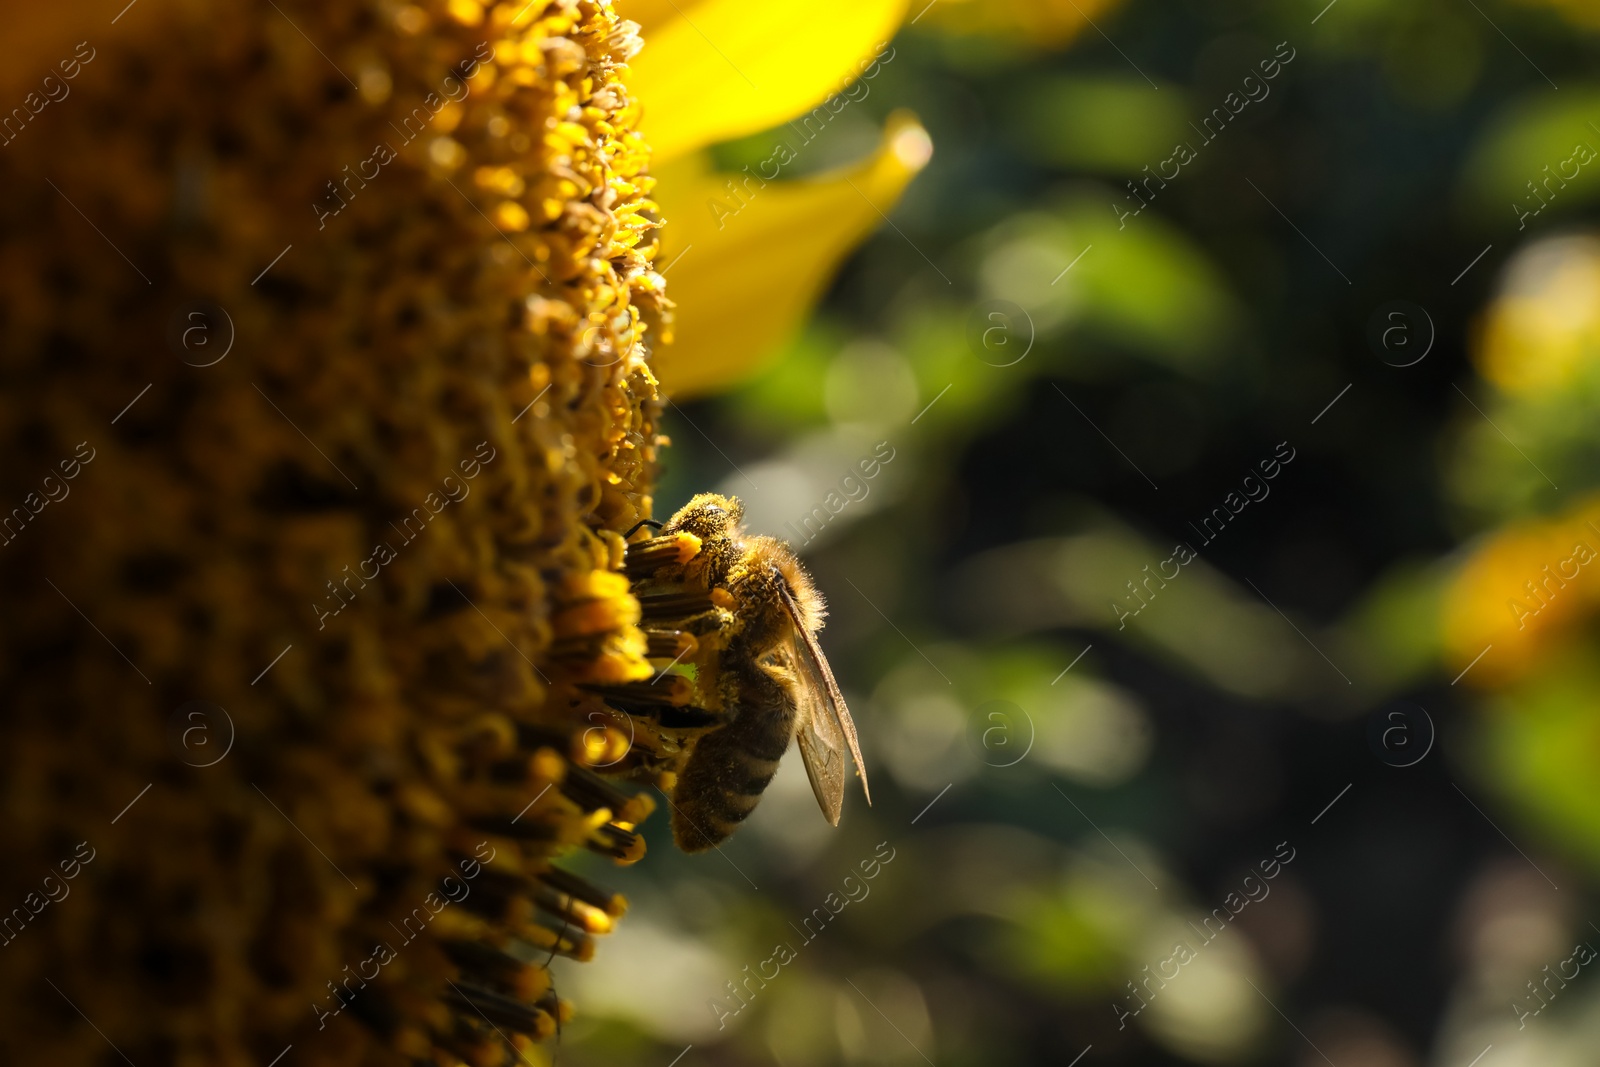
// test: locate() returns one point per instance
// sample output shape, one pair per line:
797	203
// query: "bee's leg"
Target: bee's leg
669	698
730	766
635	528
704	620
670	644
663	690
644	558
669	607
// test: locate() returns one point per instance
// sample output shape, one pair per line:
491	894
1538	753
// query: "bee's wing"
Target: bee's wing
825	725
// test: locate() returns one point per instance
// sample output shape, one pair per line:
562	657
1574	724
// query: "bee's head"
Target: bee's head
707	516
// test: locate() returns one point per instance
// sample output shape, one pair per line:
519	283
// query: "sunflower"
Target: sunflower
328	335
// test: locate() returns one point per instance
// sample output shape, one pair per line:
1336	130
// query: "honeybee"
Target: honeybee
755	614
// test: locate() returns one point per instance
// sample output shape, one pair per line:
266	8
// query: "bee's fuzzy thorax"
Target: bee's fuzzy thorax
769	551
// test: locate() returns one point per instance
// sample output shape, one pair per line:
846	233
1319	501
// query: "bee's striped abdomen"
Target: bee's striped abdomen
730	767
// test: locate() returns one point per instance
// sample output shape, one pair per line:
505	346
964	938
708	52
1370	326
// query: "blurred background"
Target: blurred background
1201	469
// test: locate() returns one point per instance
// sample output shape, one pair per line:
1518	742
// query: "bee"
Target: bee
758	667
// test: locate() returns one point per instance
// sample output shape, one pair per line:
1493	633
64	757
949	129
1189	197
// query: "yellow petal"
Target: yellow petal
721	69
745	263
651	15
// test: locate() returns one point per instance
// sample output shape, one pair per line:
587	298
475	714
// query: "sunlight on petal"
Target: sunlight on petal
721	69
744	269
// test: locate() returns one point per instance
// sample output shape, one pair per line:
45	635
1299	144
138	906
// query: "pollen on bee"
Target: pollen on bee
646	556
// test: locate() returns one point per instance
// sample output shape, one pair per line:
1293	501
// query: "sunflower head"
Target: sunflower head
362	511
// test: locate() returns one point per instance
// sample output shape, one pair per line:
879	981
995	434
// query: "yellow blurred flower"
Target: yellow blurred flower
1520	593
1543	332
